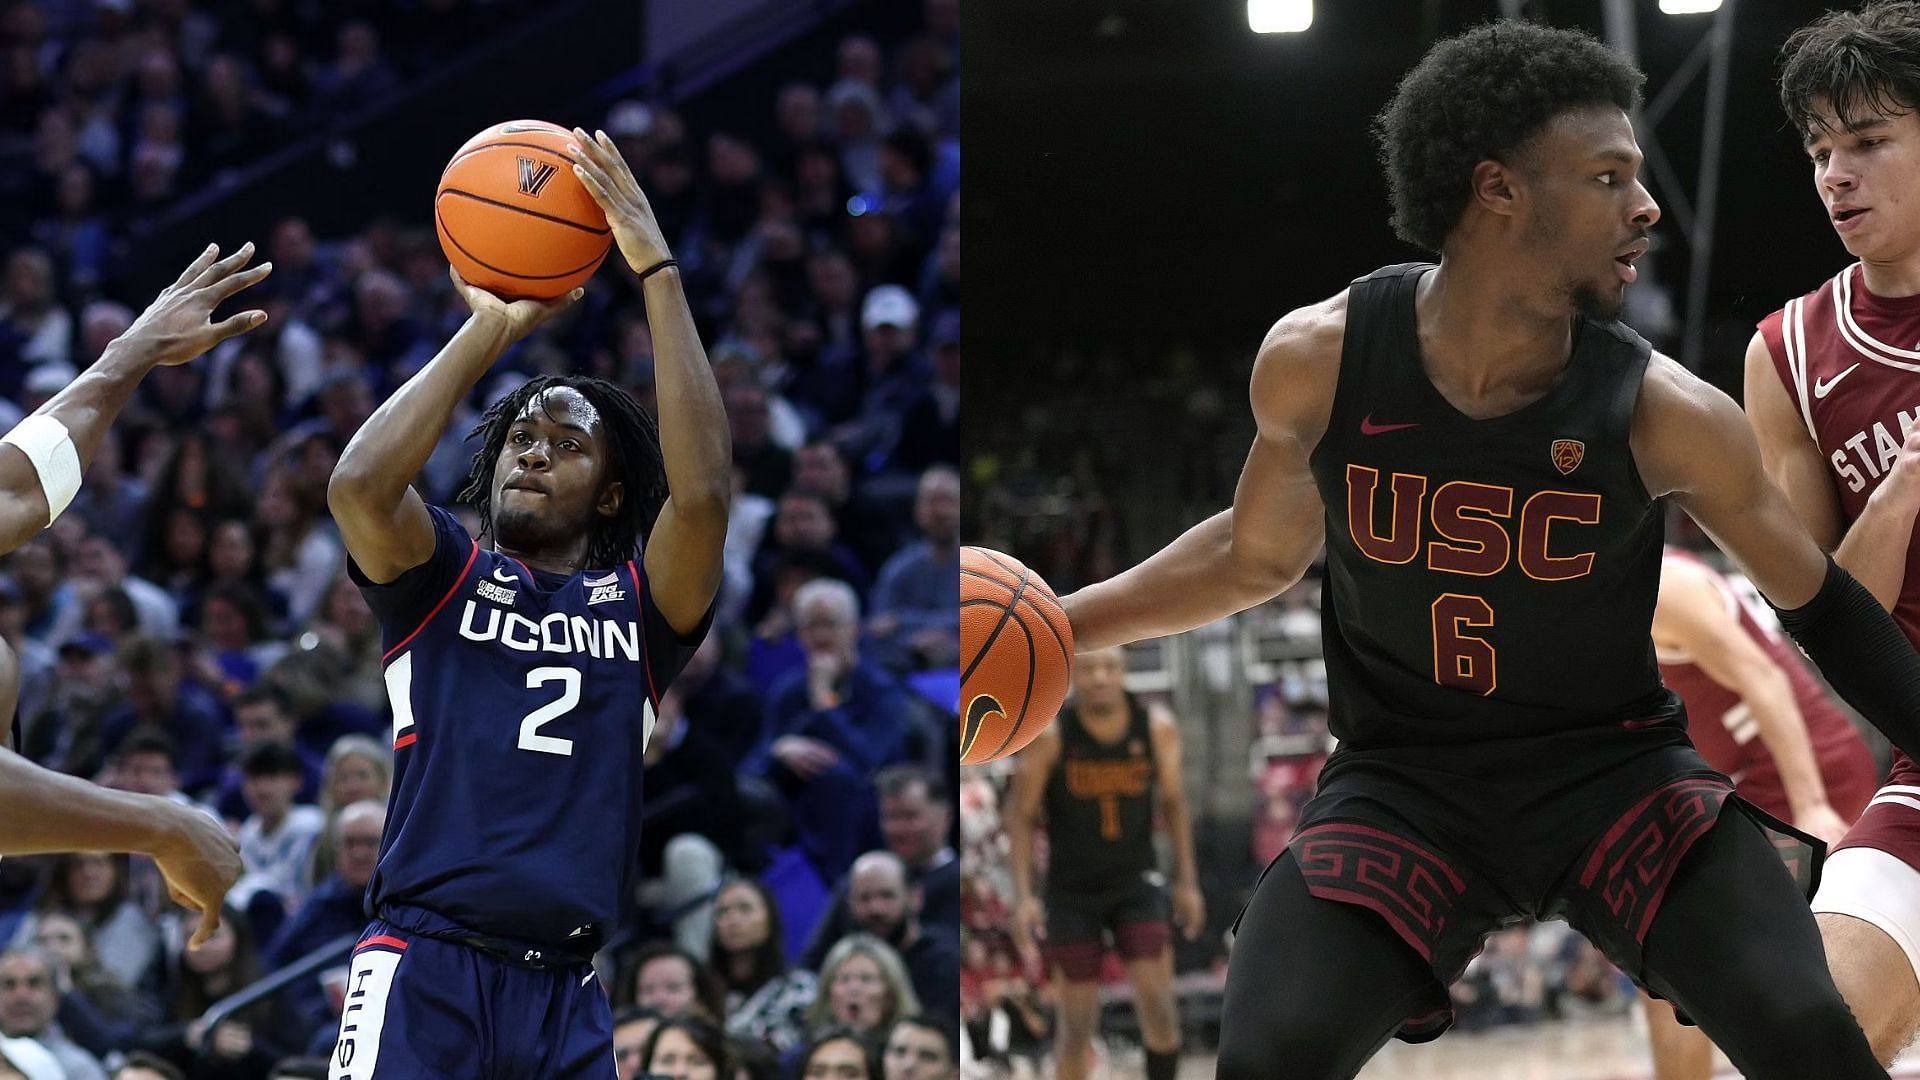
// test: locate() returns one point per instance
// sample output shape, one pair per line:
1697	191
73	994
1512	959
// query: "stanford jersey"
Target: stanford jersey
522	702
1851	364
1727	735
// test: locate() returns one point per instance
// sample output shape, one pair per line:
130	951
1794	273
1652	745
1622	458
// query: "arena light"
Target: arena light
1689	7
1279	16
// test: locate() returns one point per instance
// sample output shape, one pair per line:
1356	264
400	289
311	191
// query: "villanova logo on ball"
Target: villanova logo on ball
534	176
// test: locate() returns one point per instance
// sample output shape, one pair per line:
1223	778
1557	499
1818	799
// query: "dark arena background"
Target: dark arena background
187	627
1152	185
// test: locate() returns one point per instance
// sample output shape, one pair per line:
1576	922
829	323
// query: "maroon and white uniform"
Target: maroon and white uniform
1726	734
1851	364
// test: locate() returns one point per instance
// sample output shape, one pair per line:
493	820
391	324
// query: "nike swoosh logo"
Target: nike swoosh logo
1368	427
502	574
981	707
1821	386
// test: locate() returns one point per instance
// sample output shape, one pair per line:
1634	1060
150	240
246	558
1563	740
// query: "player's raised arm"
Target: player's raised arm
1693	616
1691	442
1251	552
382	519
683	553
45	455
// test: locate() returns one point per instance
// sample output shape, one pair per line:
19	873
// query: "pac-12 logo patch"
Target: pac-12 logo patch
534	176
1567	454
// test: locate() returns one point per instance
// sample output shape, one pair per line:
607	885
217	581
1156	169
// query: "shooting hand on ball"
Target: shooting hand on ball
608	178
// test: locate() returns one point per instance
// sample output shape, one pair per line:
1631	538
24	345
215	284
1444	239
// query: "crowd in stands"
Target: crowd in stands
187	628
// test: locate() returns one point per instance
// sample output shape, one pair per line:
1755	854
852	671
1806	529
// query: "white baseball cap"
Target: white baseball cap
889	305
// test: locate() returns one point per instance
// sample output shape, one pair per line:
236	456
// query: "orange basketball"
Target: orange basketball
1016	655
512	216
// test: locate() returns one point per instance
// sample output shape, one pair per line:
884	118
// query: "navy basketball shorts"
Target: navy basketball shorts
1133	913
419	1008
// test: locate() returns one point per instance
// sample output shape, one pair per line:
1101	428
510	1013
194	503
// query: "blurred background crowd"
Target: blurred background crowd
187	628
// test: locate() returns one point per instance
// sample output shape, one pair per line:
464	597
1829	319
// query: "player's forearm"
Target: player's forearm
695	444
86	407
1874	549
1019	828
1186	871
88	817
394	444
1863	653
1769	697
1198	579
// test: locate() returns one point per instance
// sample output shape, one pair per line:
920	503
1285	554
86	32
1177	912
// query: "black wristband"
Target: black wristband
657	267
1863	653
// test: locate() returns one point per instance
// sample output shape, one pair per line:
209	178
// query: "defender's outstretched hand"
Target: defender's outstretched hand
175	328
608	178
200	862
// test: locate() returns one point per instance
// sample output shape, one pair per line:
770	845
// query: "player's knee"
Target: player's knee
1796	1023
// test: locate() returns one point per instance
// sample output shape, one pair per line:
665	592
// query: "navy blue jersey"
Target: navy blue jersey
522	702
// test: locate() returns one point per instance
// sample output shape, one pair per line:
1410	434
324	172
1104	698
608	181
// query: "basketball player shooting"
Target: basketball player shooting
524	669
41	462
1830	391
1483	449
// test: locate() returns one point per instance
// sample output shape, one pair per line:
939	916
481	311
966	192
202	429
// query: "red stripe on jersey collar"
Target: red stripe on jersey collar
471	555
653	694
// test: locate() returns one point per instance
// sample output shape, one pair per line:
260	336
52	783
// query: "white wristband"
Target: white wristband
46	443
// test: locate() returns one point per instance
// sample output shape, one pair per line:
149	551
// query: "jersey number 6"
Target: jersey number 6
1461	660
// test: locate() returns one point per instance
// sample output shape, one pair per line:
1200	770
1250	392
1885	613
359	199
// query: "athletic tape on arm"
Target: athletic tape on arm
46	443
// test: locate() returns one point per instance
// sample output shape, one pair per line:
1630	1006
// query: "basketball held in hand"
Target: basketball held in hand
1016	655
514	219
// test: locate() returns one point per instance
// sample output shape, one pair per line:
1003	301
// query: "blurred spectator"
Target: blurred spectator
141	1065
839	1054
766	1000
672	980
919	588
863	987
246	1044
260	717
28	1003
93	889
719	703
688	1048
829	727
25	1059
916	817
158	696
868	527
887	906
930	426
921	1048
277	838
632	1028
34	327
78	972
333	910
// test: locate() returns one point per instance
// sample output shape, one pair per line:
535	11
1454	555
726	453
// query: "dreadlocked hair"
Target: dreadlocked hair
1854	64
631	435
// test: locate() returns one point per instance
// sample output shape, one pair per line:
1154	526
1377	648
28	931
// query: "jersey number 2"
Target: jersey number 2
1461	660
569	680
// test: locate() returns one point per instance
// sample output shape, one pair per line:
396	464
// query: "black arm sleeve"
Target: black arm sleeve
1862	653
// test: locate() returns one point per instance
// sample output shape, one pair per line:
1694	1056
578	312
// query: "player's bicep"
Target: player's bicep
1693	443
23	503
1279	519
383	541
1787	449
684	560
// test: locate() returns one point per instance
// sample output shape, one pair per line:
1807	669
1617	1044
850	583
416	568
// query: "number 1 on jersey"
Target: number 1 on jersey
1461	660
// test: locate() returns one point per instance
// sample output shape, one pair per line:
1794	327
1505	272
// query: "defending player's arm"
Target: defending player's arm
1692	442
683	553
46	811
1189	909
1034	766
1874	548
1692	615
1250	553
45	455
382	520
